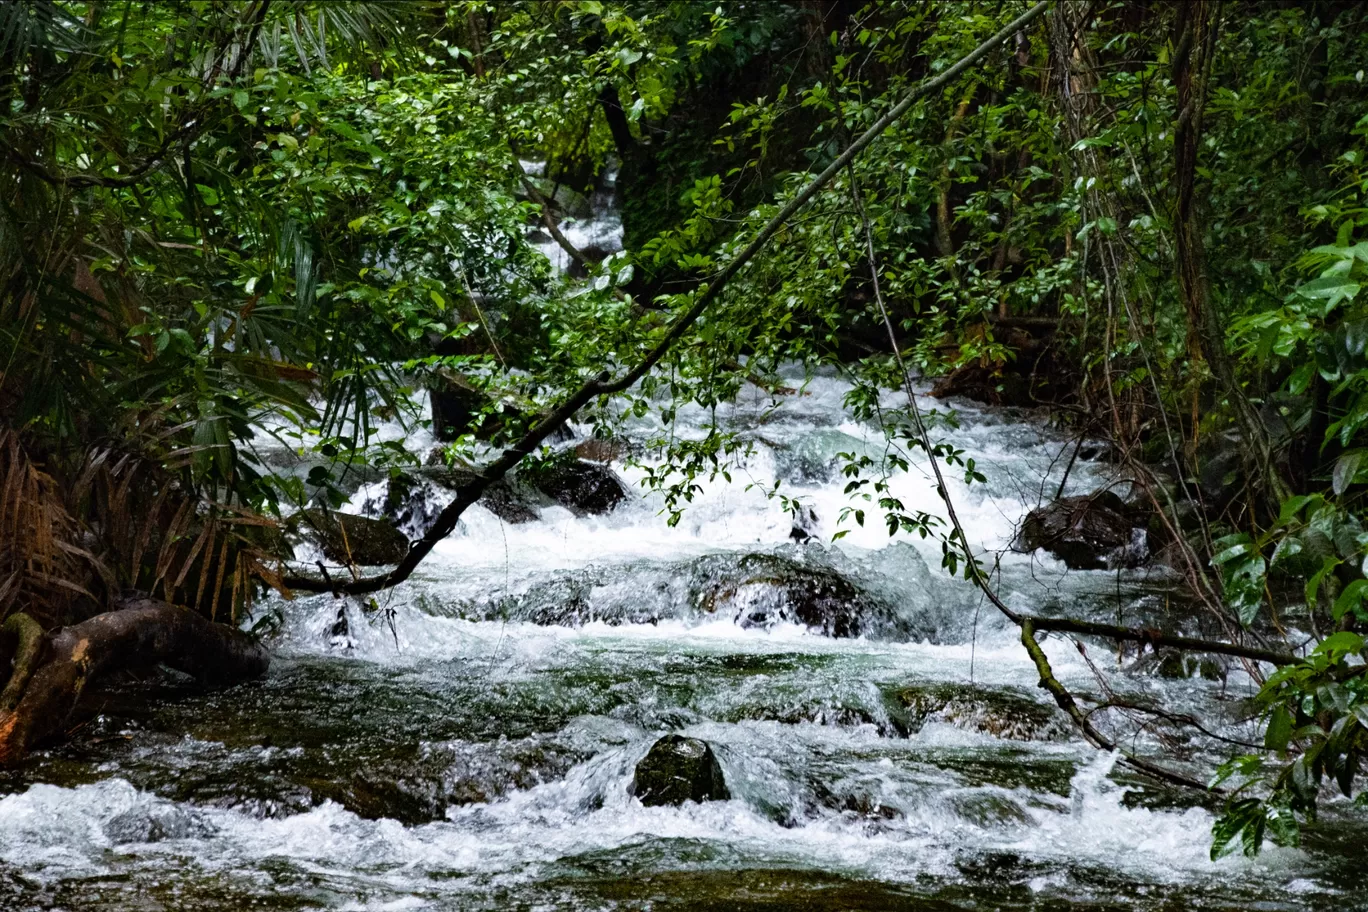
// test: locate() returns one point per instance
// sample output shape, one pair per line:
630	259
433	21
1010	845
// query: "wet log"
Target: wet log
139	633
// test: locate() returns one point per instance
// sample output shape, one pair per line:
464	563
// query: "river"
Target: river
471	744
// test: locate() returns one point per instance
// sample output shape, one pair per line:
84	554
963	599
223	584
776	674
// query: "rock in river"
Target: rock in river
679	769
765	589
583	487
345	537
1088	532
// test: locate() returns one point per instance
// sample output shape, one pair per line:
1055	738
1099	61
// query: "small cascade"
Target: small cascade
473	738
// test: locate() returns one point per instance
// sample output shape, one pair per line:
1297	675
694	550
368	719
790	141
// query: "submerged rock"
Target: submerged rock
419	787
1088	532
1003	712
583	487
762	590
679	769
155	823
347	538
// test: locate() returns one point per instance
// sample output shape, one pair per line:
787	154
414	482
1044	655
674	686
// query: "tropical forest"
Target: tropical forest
684	455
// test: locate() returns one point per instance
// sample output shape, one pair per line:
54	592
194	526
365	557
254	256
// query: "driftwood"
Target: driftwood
52	671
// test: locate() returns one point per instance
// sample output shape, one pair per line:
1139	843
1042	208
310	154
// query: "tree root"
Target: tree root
141	632
28	652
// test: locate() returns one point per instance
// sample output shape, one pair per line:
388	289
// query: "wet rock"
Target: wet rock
1002	712
1088	532
411	504
419	787
456	405
597	449
984	384
767	589
679	769
862	800
996	867
345	537
505	500
583	487
987	808
804	525
150	824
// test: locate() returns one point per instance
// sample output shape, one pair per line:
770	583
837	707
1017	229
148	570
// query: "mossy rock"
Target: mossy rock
679	769
1003	712
347	538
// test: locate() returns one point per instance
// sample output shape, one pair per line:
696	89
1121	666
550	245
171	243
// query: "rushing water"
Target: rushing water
470	745
469	741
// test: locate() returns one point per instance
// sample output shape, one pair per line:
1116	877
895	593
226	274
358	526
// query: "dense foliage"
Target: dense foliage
224	218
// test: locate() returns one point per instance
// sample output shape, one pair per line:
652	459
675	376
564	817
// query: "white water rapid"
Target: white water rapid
471	745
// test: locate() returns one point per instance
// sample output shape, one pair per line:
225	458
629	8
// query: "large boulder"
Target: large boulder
347	538
1088	532
501	498
766	589
679	769
583	487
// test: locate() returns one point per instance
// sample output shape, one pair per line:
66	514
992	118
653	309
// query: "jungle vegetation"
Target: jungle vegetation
1146	219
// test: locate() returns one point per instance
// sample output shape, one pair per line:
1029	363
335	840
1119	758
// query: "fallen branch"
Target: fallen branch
1158	638
28	652
549	221
1064	699
140	633
605	384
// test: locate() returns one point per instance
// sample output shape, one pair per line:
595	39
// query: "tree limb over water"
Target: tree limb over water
605	384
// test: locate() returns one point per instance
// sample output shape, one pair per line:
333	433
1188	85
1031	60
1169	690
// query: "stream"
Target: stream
469	741
471	744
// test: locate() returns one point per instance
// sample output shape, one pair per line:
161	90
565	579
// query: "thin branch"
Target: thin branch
1158	639
1064	699
604	384
549	221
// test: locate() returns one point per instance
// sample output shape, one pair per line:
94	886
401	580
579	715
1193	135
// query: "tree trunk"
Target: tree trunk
142	632
1194	48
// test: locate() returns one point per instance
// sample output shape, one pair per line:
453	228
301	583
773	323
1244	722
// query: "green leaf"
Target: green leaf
1350	598
1329	290
1346	468
1291	507
1279	729
1345	641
